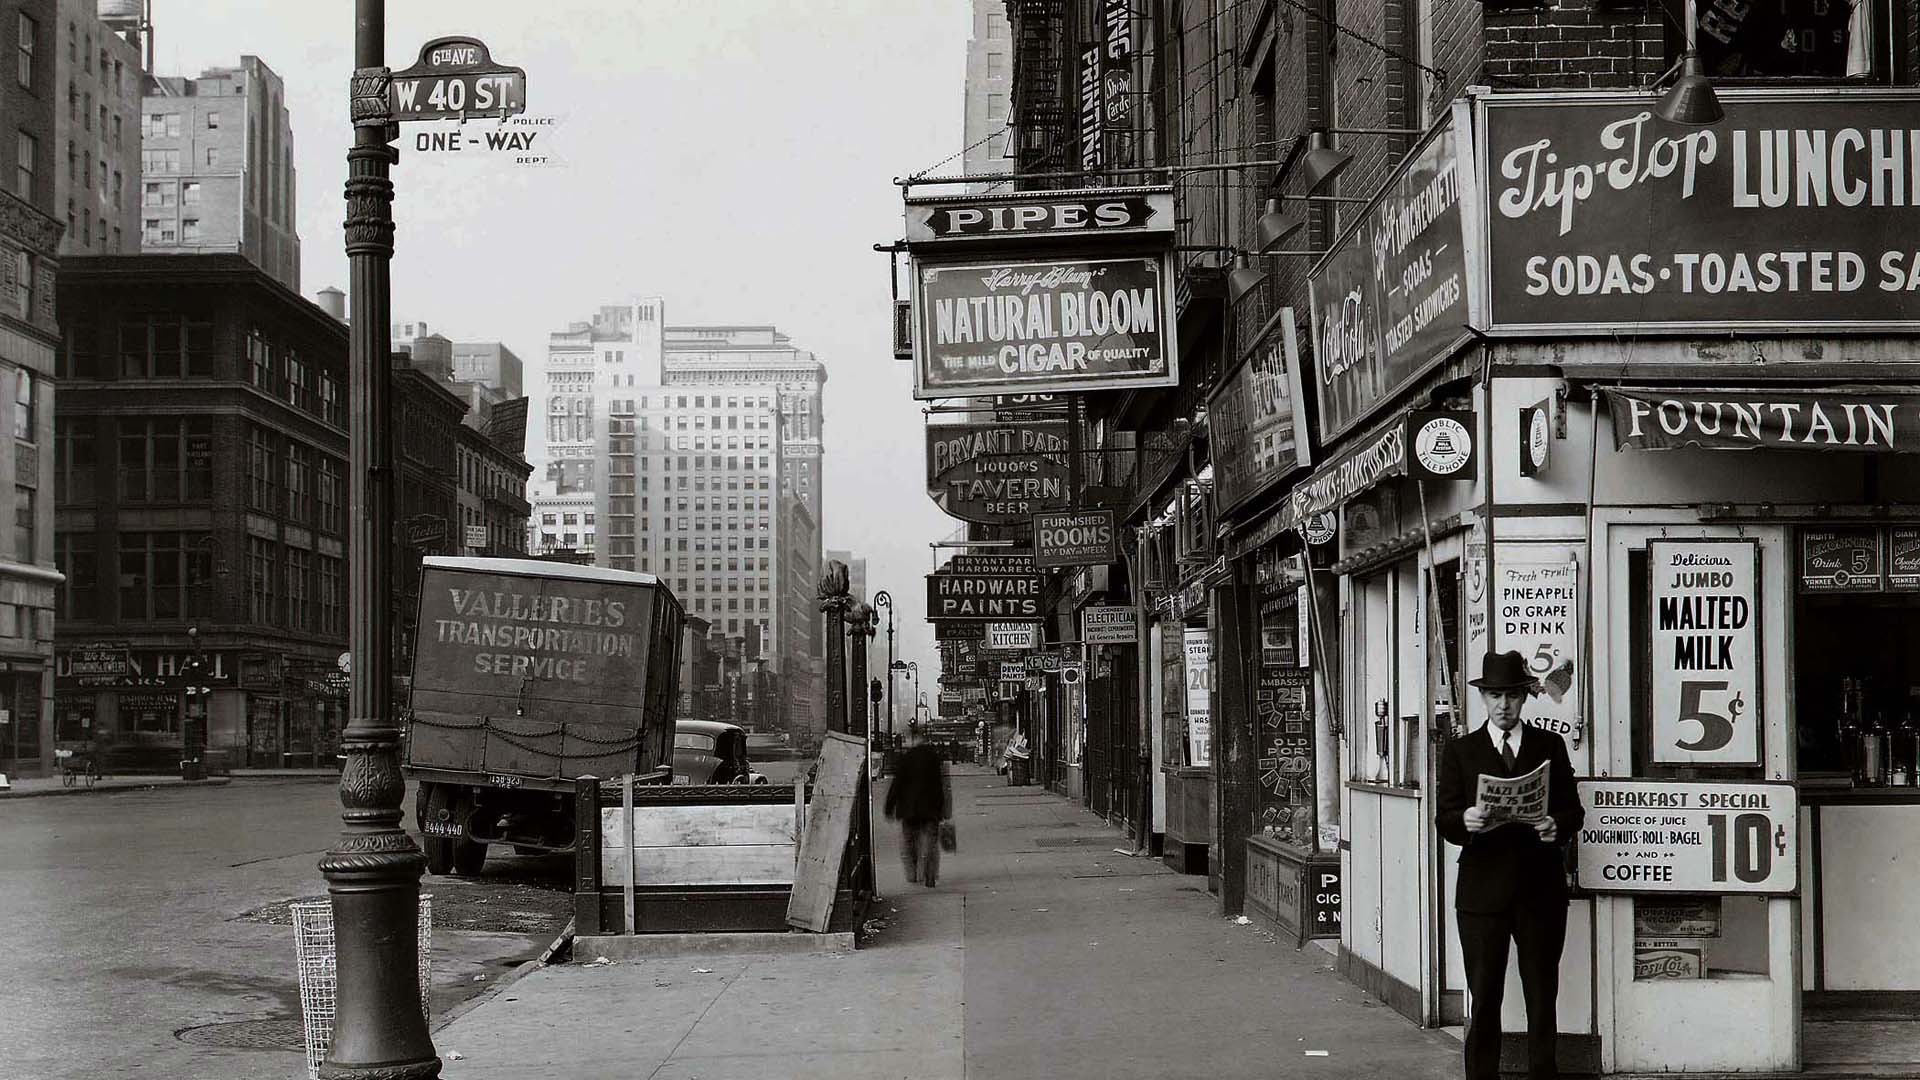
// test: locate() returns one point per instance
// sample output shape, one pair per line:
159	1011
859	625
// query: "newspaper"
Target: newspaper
1514	799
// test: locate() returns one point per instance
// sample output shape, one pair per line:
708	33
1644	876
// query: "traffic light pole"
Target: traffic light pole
373	871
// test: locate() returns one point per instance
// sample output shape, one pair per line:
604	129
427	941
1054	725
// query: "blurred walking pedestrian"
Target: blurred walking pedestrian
920	799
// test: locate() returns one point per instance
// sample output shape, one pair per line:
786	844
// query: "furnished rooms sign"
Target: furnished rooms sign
1686	837
1000	473
1075	538
1391	298
983	597
1704	621
1795	213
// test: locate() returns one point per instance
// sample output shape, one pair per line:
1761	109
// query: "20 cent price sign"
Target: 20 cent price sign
1687	837
1704	621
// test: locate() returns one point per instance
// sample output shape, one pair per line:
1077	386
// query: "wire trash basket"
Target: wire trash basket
313	948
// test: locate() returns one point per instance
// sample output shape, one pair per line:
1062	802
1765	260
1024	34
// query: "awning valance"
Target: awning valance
1869	419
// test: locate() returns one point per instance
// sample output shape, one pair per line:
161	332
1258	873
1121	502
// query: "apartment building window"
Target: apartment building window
332	490
28	40
260	581
299	484
23	523
213	120
329	597
77	558
299	602
259	361
26	152
261	457
160	162
213	157
190	231
189	194
166	460
165	347
150	231
158	571
160	125
333	408
74	465
23	405
116	131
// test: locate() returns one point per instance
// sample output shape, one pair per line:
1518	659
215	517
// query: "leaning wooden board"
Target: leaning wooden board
823	844
746	844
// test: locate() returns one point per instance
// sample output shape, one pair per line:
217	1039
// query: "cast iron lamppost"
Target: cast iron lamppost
884	599
373	871
834	601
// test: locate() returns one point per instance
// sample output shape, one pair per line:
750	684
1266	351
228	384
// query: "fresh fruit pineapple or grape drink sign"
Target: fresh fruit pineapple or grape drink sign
1536	613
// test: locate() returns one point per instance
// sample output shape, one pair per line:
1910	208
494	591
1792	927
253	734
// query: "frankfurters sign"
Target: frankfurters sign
1793	214
983	597
1075	538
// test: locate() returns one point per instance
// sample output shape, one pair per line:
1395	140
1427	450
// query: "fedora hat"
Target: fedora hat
1503	671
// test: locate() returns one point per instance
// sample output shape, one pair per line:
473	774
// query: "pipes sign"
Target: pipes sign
1704	620
456	77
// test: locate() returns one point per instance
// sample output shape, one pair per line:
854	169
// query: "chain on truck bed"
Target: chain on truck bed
512	738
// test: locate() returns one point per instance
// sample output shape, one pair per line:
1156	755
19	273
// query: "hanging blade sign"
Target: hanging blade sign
456	77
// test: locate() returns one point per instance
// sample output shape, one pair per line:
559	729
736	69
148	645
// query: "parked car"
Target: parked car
711	752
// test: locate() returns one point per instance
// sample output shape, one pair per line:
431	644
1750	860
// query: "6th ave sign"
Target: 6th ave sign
456	77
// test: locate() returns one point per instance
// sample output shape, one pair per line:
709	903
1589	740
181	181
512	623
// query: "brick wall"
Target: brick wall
1575	44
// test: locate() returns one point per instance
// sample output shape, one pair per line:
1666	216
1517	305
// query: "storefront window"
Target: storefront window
1285	724
1173	700
1816	39
1699	937
263	731
73	717
150	714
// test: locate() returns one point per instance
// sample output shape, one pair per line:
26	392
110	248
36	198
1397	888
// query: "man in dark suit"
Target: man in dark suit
1512	883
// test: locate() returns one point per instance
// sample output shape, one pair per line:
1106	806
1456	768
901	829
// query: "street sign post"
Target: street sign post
456	77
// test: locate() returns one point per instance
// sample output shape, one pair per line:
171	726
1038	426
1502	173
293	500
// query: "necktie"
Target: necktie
1506	749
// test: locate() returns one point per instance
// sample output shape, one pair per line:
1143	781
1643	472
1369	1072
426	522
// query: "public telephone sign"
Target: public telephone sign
456	77
1687	837
1703	620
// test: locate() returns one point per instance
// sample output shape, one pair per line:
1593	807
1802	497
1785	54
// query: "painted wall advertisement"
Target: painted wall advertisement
999	473
1689	837
1098	323
1704	620
1258	416
1793	213
1392	297
1199	674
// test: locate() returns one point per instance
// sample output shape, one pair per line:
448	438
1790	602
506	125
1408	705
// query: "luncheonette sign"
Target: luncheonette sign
1704	620
1686	837
1000	473
1793	214
1392	298
1027	326
1842	421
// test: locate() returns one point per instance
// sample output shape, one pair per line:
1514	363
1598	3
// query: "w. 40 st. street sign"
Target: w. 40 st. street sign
456	77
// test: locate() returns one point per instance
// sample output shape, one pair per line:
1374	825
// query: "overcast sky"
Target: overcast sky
734	157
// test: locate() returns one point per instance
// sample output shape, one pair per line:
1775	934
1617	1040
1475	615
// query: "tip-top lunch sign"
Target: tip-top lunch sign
1042	292
997	474
456	77
983	597
1794	213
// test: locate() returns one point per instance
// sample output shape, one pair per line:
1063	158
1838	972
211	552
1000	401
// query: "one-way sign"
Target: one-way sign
456	76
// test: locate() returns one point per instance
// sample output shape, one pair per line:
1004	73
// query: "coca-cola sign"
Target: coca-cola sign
1392	298
1793	214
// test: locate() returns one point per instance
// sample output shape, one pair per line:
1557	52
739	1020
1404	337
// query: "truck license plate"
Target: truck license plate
441	828
501	780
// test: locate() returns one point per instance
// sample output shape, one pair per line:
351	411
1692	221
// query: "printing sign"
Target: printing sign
1704	619
1706	837
1793	214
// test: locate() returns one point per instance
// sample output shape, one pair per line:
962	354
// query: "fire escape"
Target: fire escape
1042	121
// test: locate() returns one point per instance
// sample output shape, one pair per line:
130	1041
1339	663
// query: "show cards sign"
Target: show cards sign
1704	619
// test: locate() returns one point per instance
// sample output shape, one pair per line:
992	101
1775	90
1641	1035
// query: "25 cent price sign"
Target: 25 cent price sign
1686	837
1704	620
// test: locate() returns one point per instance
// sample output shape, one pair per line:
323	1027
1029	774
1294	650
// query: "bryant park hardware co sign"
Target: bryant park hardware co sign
997	473
1794	213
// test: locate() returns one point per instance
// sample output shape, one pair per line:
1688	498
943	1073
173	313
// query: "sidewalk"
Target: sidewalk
1043	953
39	786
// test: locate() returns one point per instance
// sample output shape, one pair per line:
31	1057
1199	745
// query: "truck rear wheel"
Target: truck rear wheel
436	800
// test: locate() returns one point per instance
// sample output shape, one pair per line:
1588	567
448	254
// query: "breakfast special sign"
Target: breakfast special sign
1796	213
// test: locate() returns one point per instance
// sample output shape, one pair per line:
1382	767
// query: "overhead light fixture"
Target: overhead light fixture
1243	279
1691	100
1274	226
1322	163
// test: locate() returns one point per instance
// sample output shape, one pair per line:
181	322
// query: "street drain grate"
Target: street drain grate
247	1035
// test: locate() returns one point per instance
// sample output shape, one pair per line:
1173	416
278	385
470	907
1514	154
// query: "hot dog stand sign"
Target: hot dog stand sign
1689	837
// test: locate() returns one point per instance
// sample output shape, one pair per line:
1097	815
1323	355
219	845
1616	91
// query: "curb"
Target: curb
554	948
41	793
653	946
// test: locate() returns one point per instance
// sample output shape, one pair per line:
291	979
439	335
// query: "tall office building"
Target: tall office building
216	164
96	131
989	89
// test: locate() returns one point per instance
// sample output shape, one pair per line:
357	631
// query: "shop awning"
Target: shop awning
1360	467
1869	419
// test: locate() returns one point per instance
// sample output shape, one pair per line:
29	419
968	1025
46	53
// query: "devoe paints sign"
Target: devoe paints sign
1832	421
1651	836
998	473
1794	213
1704	621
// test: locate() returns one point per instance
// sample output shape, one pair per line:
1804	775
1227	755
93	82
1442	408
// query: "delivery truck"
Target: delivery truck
526	676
